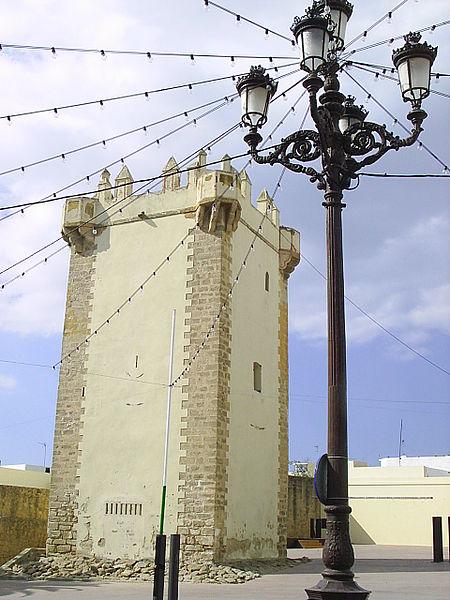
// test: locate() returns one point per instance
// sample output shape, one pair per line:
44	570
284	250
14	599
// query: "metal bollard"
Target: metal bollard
438	548
174	566
160	565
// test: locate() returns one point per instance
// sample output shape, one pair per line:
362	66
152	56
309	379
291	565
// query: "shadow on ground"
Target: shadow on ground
25	588
371	565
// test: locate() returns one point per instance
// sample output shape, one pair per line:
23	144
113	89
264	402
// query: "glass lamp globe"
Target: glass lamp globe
413	62
256	90
340	12
353	114
313	36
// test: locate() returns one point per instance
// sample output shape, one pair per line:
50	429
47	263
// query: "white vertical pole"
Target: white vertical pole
169	407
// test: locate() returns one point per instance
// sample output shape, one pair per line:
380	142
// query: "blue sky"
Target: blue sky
396	231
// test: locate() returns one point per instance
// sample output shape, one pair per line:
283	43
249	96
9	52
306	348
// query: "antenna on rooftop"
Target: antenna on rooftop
401	441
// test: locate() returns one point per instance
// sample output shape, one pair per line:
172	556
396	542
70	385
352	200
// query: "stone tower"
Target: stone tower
227	473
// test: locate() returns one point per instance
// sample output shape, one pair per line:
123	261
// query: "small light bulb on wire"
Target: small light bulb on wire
266	34
102	104
445	170
54	53
376	77
389	18
103	54
150	57
238	20
391	41
206	5
192	60
55	113
233	62
437	78
104	144
420	145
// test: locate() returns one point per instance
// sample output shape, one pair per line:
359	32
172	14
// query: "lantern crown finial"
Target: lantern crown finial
257	76
413	44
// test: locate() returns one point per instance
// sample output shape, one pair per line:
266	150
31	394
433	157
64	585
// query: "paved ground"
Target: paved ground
392	573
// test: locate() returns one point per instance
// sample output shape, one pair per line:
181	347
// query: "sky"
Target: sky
396	231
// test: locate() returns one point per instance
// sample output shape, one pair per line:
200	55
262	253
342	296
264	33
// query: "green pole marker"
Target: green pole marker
163	509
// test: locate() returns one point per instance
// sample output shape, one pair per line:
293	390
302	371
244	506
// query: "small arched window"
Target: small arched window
267	282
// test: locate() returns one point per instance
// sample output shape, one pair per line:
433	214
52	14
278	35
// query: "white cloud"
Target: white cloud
7	383
382	263
398	284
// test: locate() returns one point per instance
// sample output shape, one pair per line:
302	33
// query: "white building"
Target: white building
434	462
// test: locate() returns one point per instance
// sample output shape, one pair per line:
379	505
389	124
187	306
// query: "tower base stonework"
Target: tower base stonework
63	502
227	469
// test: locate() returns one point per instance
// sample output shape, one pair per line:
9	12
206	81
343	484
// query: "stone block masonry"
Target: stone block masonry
204	481
63	489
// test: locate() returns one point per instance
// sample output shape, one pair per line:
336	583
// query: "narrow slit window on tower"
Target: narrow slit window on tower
137	361
267	282
257	377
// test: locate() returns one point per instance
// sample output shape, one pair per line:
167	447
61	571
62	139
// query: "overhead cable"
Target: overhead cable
127	301
103	142
376	71
119	201
120	160
385	17
378	324
406	175
148	54
239	18
101	102
238	275
392	39
109	215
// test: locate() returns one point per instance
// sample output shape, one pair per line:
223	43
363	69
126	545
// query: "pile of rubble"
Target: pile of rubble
71	567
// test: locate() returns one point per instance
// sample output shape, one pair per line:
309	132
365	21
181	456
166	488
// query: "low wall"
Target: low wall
302	507
23	519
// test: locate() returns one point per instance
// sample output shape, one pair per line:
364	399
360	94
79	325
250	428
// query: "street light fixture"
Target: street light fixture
353	115
346	143
413	62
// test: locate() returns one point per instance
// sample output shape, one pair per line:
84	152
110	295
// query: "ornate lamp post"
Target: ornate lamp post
346	143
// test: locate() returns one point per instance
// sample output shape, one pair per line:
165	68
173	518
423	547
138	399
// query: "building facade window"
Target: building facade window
257	377
267	282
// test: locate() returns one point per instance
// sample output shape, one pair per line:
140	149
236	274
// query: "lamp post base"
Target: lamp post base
337	589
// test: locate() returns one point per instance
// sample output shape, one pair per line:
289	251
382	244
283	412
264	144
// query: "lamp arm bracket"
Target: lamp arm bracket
365	138
301	146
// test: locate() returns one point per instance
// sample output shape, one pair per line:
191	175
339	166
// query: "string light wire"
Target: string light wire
380	72
120	160
239	18
242	267
101	102
388	15
146	53
378	324
392	40
102	142
153	179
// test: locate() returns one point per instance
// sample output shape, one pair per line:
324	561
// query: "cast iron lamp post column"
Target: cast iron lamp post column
341	134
